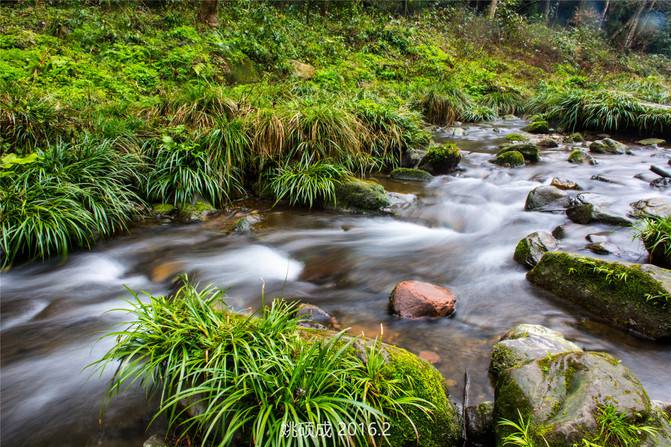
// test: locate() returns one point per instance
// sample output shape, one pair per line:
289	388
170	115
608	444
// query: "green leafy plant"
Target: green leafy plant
655	232
307	183
617	430
520	433
223	378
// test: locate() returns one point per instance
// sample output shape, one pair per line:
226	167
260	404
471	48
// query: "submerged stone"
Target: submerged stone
441	159
628	296
415	299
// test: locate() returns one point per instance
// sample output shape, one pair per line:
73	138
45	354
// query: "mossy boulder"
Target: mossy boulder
442	428
558	388
530	249
546	198
441	159
528	150
361	195
651	142
628	296
607	146
656	207
575	137
163	210
516	137
196	212
548	142
587	208
479	423
578	156
537	126
411	175
510	159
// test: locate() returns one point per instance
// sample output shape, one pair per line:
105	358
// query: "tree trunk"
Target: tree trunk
634	24
547	10
603	14
492	9
208	12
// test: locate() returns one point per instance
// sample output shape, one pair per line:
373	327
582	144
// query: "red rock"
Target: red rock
414	299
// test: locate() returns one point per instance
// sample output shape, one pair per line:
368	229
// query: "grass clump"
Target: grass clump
617	430
655	232
520	433
66	196
224	378
307	183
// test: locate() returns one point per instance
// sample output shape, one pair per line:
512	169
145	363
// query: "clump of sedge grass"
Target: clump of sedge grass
307	183
655	232
224	378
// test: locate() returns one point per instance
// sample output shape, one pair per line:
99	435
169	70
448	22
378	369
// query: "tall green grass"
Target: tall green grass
307	183
655	232
66	196
225	379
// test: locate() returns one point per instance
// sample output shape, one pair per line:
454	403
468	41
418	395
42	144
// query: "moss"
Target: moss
439	429
516	137
575	137
196	212
528	150
576	156
503	358
162	209
441	159
411	174
361	194
510	159
626	295
539	126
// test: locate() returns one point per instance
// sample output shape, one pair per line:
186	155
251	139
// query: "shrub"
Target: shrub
64	197
445	105
224	377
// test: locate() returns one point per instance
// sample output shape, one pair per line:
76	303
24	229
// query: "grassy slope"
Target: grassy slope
220	112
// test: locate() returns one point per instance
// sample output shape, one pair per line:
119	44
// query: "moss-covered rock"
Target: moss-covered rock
578	156
163	210
537	126
651	142
548	142
516	137
441	159
411	174
479	423
530	249
589	207
528	150
196	212
628	296
546	198
442	428
575	137
607	146
362	195
510	159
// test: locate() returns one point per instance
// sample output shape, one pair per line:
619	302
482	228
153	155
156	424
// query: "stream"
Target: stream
458	230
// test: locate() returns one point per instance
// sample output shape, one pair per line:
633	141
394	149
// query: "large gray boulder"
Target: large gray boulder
542	378
587	208
546	198
628	296
530	249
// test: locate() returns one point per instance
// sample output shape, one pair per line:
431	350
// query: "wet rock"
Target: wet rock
651	142
537	126
546	198
516	137
548	143
364	195
155	441
652	207
525	343
196	212
529	151
512	159
509	117
457	131
563	393
429	356
530	249
661	183
564	184
646	177
603	248
441	159
412	157
479	424
603	178
575	137
597	237
411	174
628	296
588	208
244	224
607	146
163	211
315	317
415	299
578	156
559	231
166	270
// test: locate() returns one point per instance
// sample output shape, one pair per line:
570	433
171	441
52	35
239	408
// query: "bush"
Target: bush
225	378
65	197
445	105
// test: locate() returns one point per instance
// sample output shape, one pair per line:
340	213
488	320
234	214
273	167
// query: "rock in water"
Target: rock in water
628	296
511	159
542	378
607	146
538	126
564	184
530	249
441	159
651	142
546	198
588	208
315	317
529	151
578	156
411	175
653	207
415	299
358	194
480	424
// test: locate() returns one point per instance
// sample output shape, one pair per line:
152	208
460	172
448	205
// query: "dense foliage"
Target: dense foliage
278	98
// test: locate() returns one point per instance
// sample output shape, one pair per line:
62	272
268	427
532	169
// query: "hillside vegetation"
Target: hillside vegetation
105	110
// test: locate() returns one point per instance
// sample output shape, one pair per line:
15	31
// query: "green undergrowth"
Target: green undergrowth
655	232
223	378
224	112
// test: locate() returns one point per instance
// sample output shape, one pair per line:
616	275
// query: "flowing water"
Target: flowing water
459	230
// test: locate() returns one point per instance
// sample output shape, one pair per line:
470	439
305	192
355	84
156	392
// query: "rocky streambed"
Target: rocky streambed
458	231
